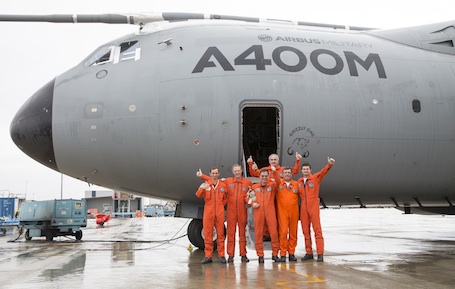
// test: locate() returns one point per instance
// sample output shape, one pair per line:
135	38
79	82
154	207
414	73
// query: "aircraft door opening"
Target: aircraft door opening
260	132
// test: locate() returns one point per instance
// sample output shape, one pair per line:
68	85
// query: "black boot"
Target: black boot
206	260
308	257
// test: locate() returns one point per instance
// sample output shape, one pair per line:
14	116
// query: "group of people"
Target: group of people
275	209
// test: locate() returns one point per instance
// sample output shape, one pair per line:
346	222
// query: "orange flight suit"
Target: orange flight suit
215	198
287	204
236	212
279	169
265	213
309	209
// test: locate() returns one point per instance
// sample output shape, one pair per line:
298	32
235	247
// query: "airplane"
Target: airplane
144	112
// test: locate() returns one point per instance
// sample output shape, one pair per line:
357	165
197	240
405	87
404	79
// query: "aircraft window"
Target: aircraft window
126	51
102	56
128	46
416	105
129	51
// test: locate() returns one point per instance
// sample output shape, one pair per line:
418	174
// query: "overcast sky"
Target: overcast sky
31	54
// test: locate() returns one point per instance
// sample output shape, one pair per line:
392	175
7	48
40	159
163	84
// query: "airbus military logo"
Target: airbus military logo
265	37
259	58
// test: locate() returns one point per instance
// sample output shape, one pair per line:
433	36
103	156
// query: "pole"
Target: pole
61	186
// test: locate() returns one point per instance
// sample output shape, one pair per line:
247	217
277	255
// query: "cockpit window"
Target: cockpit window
127	51
102	56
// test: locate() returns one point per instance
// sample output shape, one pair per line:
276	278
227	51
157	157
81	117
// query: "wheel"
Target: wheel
194	232
49	235
78	235
27	236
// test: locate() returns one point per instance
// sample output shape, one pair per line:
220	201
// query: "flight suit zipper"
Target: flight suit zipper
306	197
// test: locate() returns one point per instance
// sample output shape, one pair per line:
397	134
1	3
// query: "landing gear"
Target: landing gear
196	234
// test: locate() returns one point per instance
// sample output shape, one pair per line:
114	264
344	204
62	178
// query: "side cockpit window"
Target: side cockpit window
130	51
102	56
126	51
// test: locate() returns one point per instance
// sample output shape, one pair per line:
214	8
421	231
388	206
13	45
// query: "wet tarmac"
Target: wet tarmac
365	248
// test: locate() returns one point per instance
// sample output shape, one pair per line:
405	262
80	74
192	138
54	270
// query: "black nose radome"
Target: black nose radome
31	128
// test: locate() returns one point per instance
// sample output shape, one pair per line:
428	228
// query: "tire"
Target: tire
27	236
78	235
49	235
194	232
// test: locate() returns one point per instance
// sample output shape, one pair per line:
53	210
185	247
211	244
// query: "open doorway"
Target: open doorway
260	131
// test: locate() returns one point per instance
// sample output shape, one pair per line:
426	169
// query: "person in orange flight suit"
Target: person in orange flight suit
264	212
214	193
287	204
237	188
309	209
273	161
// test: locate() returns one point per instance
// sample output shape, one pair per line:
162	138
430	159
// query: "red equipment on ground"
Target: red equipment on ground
102	218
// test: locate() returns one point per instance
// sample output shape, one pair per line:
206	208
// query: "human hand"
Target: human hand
330	160
250	159
255	167
199	173
298	156
255	205
273	168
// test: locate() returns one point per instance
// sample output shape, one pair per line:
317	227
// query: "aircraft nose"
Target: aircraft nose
31	128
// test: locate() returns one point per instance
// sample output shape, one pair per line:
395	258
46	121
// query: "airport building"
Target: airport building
118	204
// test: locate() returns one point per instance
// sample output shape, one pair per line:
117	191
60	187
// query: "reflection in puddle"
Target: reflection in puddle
123	252
74	267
